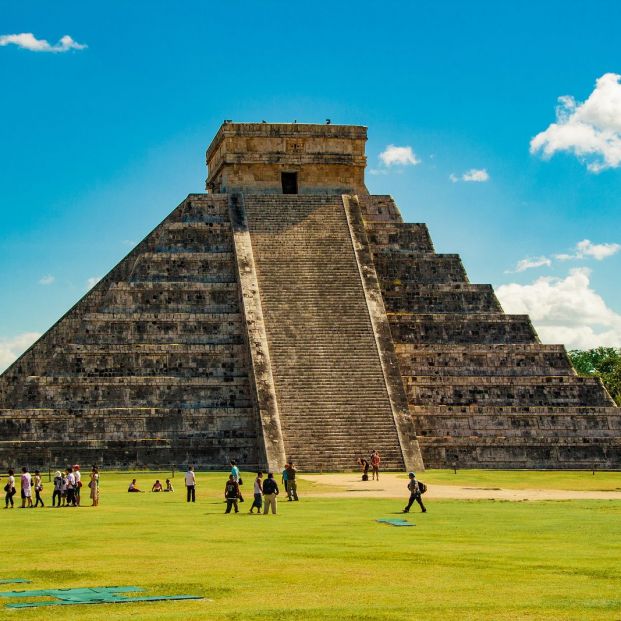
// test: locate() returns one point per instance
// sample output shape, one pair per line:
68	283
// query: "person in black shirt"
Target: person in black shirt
231	493
415	494
270	491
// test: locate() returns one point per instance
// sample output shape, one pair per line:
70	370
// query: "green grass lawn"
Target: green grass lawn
323	558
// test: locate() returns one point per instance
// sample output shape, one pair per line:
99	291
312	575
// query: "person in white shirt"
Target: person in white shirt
38	488
26	481
258	493
78	484
190	484
9	489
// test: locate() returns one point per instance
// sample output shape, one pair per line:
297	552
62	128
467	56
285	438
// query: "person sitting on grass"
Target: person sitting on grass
231	493
132	487
157	486
169	487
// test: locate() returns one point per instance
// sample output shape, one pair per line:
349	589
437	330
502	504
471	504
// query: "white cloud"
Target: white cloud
530	263
92	281
399	156
565	310
586	248
591	130
476	175
27	41
12	348
47	280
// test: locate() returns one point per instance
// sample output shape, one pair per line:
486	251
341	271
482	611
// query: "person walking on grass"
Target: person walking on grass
231	493
94	486
416	490
235	474
56	494
9	490
258	493
26	485
292	486
190	484
38	488
270	491
375	464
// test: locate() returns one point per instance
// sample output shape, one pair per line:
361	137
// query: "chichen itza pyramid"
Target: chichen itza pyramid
287	313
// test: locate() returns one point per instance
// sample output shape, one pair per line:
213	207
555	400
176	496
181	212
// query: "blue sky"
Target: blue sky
99	144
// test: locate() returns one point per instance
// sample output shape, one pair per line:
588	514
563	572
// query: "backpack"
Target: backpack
422	488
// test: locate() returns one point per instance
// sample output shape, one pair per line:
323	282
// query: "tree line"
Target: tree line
602	362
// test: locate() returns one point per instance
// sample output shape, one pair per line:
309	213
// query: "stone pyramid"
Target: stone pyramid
288	314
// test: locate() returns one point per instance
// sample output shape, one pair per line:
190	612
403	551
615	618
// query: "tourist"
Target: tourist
375	464
190	484
94	487
416	490
284	477
235	474
26	485
63	489
258	493
270	491
364	464
9	490
78	485
133	487
292	486
231	493
157	486
70	487
38	488
169	487
58	483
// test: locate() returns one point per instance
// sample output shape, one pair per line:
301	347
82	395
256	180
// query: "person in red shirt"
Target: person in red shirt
375	464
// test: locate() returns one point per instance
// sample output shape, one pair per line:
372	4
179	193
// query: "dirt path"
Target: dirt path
349	485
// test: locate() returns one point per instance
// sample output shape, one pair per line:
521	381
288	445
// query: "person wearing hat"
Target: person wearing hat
415	493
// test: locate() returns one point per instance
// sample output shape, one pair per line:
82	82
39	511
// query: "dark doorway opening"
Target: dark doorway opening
289	182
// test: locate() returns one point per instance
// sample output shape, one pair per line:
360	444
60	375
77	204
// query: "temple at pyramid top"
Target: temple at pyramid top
287	158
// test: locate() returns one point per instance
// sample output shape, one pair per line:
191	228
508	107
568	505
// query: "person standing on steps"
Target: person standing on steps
292	486
270	491
231	493
258	493
190	484
416	490
375	464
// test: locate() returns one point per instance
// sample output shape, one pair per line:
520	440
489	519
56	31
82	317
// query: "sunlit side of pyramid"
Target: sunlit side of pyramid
289	314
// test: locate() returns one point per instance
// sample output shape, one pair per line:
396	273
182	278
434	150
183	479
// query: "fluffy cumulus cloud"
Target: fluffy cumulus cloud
586	248
476	175
591	130
12	348
27	41
398	156
565	310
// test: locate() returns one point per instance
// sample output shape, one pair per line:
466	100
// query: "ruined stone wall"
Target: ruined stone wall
150	367
481	388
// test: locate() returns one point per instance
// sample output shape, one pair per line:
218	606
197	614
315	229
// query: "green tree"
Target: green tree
602	362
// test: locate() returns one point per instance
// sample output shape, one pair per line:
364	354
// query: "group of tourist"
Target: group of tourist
373	462
66	486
